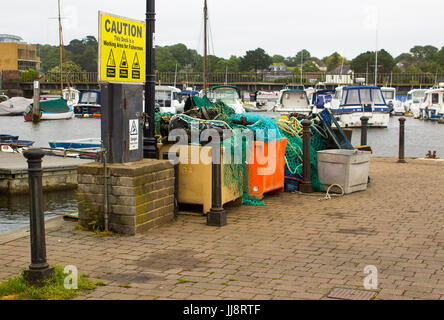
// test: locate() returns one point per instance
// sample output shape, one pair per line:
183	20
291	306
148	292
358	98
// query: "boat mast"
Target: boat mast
175	77
302	65
376	62
205	46
60	47
366	76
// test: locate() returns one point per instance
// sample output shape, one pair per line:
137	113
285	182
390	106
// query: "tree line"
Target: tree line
81	56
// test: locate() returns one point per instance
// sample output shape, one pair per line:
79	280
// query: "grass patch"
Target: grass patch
232	279
180	280
125	286
18	289
224	283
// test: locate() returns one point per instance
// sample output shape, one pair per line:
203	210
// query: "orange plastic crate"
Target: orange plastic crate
267	171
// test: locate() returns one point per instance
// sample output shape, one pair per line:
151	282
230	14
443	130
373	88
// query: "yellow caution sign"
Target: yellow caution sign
121	49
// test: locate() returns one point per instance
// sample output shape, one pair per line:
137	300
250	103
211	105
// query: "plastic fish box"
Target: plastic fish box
347	168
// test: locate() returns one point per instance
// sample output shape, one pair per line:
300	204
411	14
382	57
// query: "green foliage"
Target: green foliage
18	289
333	61
29	75
413	69
255	60
70	67
404	57
302	55
309	66
82	53
367	60
94	224
423	53
278	59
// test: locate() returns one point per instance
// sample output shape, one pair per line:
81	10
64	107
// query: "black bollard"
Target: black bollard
401	140
306	186
364	129
173	157
217	217
39	269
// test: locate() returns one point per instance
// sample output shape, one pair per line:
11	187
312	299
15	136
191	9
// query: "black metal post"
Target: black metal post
401	140
150	150
217	216
174	159
39	269
306	186
364	129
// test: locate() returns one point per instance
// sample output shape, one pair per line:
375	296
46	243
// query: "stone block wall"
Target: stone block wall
140	195
14	183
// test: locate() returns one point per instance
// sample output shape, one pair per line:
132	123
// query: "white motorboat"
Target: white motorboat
433	106
266	100
293	101
230	95
359	101
414	100
321	99
168	99
72	97
394	105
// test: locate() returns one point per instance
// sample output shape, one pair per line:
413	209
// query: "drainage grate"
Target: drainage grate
351	294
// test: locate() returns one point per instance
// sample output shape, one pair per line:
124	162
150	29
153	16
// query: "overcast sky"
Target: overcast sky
278	26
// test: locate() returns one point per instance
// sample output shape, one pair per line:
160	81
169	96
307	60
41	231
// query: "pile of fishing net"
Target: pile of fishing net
292	130
202	114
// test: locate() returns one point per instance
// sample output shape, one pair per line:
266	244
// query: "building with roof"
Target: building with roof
17	55
320	65
340	75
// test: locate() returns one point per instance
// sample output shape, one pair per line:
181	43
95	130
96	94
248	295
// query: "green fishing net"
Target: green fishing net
238	149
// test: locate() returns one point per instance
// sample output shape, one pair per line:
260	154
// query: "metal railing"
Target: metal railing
308	78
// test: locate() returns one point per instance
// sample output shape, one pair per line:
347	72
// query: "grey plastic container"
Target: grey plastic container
347	168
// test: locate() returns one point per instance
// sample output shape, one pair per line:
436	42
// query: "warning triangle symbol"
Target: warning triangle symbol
124	61
136	64
111	62
133	130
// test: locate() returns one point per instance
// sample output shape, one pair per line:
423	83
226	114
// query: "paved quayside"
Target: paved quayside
59	173
296	247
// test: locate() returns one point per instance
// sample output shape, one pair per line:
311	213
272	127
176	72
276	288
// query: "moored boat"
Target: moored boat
230	95
414	100
14	107
395	106
321	98
169	100
90	143
10	143
72	97
433	106
89	104
51	110
359	101
293	101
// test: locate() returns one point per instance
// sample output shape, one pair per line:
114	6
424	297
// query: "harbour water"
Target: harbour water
421	136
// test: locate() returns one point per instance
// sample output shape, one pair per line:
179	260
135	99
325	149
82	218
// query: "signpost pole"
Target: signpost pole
150	150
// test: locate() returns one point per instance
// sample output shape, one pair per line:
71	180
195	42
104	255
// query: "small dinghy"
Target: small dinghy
14	107
51	110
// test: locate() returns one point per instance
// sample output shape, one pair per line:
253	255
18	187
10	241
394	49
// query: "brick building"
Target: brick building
17	55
